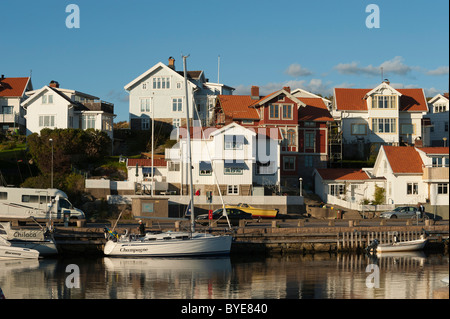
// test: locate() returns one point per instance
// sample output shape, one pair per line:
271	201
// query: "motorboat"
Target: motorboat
171	244
9	252
38	239
398	246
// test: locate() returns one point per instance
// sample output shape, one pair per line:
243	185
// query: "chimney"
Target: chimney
287	89
53	84
386	81
3	77
171	63
255	92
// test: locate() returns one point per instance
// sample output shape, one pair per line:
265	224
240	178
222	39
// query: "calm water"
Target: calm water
319	276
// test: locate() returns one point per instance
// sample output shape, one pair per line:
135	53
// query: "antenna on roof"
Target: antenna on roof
218	69
31	72
381	74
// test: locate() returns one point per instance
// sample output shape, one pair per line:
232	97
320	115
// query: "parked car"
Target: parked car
234	215
401	212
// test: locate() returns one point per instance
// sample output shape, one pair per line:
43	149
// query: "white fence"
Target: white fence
333	200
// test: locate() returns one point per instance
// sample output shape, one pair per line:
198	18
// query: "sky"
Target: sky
313	45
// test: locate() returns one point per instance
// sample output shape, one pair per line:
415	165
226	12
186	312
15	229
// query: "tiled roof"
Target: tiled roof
353	99
147	162
435	150
315	110
238	106
344	174
403	159
13	87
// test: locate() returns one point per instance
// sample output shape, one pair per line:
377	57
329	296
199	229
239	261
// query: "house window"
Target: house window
384	125
274	111
440	161
287	111
359	129
205	172
233	190
88	121
309	140
289	163
177	104
176	122
406	129
310	124
179	85
173	166
247	122
144	85
384	102
442	188
438	108
145	124
46	120
291	137
446	126
7	109
336	189
162	82
233	171
308	161
412	188
234	142
145	105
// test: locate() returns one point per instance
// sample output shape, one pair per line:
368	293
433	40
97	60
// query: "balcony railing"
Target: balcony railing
435	173
99	105
11	118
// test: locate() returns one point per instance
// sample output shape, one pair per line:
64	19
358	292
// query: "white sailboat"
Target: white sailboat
173	244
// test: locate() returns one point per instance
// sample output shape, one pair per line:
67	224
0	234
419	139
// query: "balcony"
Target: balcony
11	118
99	105
172	153
435	173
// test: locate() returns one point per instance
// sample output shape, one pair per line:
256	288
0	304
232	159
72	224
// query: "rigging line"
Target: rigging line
212	170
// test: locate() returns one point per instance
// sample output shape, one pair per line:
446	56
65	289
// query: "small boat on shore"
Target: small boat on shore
398	246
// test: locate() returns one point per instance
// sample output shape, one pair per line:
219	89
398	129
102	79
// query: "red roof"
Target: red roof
353	99
434	150
315	110
345	174
147	162
13	87
238	106
403	159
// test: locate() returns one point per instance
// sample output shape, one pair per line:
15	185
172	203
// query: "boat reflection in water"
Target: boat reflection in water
167	277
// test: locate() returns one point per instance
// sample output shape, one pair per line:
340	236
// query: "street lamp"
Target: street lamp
445	141
301	184
51	141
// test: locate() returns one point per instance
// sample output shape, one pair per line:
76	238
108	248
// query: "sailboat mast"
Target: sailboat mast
191	188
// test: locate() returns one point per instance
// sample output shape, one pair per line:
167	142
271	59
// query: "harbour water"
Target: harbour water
316	276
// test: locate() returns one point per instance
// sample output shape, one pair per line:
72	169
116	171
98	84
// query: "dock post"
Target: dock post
274	223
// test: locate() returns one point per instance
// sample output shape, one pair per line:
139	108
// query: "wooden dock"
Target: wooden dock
300	238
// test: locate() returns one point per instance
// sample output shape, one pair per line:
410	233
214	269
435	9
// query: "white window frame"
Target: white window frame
442	188
412	188
232	189
177	104
47	120
336	189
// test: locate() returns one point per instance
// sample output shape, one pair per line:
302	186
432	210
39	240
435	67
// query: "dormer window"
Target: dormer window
47	99
384	102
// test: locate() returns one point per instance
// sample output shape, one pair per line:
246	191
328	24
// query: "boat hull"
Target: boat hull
200	245
403	246
9	252
45	247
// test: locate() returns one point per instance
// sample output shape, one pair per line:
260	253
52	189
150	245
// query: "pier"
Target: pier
276	236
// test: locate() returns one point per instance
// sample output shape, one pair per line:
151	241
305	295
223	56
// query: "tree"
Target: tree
379	196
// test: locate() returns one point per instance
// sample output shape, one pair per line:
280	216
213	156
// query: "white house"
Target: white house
409	175
438	113
381	115
233	157
12	94
54	107
159	93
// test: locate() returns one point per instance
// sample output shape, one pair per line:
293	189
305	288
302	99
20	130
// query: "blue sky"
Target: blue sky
315	45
